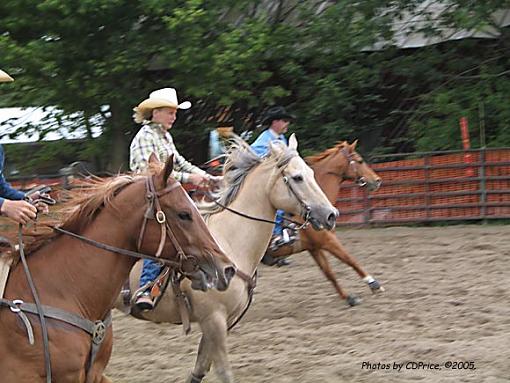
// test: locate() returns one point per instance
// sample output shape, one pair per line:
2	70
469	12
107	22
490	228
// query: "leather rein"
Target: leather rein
290	188
153	212
251	282
97	329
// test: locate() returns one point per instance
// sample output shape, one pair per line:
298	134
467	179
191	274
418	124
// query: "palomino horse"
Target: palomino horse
253	187
78	279
331	168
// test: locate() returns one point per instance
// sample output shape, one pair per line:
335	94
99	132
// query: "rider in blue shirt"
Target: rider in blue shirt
277	119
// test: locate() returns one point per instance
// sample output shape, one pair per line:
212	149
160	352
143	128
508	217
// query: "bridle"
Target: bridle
306	215
354	166
153	212
306	209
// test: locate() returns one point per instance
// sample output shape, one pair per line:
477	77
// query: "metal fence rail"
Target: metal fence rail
417	187
431	187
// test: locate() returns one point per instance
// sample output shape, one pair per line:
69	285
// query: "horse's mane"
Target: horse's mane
241	160
81	207
310	160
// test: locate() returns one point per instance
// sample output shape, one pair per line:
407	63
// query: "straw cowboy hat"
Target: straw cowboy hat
161	98
4	77
276	113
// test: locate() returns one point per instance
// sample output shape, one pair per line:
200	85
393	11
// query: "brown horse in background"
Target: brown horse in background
130	214
331	168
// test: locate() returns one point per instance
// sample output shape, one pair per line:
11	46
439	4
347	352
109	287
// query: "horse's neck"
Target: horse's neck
82	278
329	176
246	240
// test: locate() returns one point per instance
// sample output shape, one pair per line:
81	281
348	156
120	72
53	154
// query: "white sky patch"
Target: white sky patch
41	119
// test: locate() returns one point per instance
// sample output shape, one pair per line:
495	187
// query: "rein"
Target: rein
114	249
247	216
153	211
251	283
44	328
306	215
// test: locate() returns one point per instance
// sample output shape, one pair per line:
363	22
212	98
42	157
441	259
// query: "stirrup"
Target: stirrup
282	240
144	302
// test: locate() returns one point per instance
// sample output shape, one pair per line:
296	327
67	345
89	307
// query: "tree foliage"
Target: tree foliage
313	56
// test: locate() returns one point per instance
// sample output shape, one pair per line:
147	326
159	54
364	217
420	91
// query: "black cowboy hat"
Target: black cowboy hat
276	113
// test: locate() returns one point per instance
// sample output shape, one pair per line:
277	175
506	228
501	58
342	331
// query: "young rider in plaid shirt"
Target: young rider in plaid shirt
157	114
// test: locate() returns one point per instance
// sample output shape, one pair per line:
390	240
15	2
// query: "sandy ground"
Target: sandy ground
446	300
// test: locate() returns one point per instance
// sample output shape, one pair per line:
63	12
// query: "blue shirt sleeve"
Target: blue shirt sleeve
6	190
261	145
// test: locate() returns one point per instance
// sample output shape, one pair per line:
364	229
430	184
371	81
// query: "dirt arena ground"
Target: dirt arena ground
446	300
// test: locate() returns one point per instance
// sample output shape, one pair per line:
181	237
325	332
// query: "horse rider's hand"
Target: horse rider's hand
215	182
19	211
41	207
40	201
198	179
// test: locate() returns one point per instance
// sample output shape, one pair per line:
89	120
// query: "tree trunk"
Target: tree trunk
121	129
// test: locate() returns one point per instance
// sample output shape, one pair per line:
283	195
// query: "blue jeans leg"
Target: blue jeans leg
278	227
150	271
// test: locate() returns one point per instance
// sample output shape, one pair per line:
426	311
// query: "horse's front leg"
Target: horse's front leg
333	245
213	350
320	258
203	363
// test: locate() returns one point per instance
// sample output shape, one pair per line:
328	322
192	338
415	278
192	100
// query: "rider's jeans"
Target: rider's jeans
150	271
278	227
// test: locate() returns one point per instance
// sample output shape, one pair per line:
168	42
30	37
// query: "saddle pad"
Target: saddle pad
5	265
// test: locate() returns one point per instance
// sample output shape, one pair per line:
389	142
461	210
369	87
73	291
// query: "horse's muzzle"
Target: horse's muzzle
213	274
323	218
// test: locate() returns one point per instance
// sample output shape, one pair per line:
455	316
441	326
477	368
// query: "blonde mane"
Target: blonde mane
310	160
241	160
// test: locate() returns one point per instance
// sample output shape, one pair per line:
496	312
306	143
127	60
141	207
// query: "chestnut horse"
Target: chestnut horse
254	188
331	168
78	279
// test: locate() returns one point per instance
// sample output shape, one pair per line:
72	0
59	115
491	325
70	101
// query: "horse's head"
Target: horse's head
173	228
353	167
294	189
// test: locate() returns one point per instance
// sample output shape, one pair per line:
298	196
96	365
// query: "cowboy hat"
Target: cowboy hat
161	98
4	77
276	113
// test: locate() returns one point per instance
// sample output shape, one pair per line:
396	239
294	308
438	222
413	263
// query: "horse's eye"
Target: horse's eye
184	216
297	178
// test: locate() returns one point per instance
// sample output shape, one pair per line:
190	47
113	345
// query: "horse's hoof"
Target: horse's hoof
195	378
376	287
353	300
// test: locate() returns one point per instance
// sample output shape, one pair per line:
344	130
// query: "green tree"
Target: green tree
243	55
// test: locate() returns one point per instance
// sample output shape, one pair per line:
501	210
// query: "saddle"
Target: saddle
157	289
289	236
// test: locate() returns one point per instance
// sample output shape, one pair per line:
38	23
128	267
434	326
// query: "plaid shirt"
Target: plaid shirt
153	138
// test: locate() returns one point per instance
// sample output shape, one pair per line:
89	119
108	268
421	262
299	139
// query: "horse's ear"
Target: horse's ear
275	148
169	167
353	146
293	142
153	159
